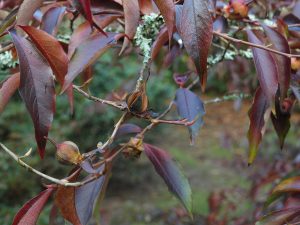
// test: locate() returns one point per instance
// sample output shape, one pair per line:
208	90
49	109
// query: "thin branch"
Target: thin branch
254	45
63	182
119	105
114	133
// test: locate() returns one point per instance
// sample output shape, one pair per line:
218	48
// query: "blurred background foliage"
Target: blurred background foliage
216	164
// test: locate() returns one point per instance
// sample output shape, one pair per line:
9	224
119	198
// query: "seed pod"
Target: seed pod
135	147
68	153
137	101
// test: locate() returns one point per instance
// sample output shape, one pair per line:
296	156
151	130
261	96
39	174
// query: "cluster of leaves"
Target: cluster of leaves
48	66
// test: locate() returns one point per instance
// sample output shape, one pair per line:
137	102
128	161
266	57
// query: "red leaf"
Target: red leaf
7	89
283	63
257	115
87	53
161	39
195	29
81	33
84	8
65	201
51	19
265	67
51	50
132	18
170	173
29	213
167	9
146	6
36	88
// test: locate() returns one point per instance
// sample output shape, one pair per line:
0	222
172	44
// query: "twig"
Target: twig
254	45
120	105
63	182
114	133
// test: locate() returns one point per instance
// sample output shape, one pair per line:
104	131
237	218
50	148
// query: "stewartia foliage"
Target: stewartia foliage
49	65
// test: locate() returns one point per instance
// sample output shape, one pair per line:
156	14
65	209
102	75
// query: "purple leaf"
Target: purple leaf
171	174
86	196
195	29
29	213
190	106
265	67
51	19
128	128
87	53
36	88
258	115
283	63
7	89
281	122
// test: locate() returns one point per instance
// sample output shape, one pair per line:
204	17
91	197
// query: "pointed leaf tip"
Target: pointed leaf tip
195	27
258	115
29	213
36	91
171	174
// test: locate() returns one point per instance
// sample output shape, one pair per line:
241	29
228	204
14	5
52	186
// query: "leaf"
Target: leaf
51	19
132	18
161	39
265	67
281	122
181	79
29	213
65	201
36	88
280	217
87	195
128	128
146	6
190	106
51	50
258	115
167	9
87	53
196	32
288	185
26	11
81	33
7	89
84	8
170	173
283	64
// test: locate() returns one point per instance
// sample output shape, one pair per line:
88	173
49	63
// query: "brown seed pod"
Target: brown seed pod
67	152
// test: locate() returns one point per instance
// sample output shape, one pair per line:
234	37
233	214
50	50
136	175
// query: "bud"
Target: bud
68	153
135	147
137	101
